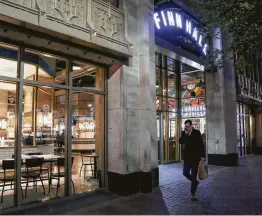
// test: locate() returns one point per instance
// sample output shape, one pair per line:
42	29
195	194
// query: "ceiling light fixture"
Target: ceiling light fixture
76	67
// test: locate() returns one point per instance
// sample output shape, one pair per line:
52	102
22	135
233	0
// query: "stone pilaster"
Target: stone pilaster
221	111
132	119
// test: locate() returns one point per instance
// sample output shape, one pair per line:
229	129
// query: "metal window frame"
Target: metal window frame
68	138
20	83
106	78
18	135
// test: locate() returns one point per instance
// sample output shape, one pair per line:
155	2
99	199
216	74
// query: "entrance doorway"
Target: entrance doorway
244	129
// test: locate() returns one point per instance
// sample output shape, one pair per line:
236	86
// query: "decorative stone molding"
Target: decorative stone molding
26	3
75	18
108	20
69	11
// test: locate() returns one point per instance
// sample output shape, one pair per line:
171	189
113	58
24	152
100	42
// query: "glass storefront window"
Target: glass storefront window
244	129
88	139
158	102
173	112
171	84
164	106
164	83
87	76
157	59
172	104
171	64
158	82
193	104
45	136
8	115
45	68
192	85
172	145
8	61
164	62
43	130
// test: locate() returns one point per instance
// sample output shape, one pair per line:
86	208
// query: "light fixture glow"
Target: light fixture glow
76	68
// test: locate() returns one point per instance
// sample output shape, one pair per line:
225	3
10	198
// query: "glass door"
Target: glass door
172	138
160	137
247	134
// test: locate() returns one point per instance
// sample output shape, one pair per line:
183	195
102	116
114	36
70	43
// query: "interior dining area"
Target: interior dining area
52	115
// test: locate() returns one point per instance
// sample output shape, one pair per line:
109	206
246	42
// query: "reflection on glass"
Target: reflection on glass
166	135
88	138
8	61
158	82
193	99
172	136
44	127
164	82
171	104
170	64
43	130
158	120
7	140
157	59
193	93
158	103
164	106
86	75
192	85
171	82
164	62
44	68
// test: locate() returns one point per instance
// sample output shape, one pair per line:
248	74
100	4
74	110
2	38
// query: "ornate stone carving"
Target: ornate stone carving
108	23
104	18
26	3
71	11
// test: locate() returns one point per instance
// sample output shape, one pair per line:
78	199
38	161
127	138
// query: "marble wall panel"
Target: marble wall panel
116	141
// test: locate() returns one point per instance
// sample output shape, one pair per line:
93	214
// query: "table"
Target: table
47	158
95	156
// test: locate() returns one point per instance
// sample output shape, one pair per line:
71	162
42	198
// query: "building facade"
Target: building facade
100	89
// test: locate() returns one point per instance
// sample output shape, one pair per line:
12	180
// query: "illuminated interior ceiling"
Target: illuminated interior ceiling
188	69
171	79
7	87
190	74
9	68
79	71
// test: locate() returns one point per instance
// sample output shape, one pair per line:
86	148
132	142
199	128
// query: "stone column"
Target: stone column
221	110
132	144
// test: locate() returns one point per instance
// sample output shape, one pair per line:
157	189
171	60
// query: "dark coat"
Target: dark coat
194	146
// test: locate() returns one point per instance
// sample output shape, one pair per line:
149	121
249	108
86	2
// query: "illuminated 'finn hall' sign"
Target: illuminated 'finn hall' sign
174	19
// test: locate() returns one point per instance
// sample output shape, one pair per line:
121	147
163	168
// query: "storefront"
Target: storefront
180	78
54	62
180	91
52	109
245	129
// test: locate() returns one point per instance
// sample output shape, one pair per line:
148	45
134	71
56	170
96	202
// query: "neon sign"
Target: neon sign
176	20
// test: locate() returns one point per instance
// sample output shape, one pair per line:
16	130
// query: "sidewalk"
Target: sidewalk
229	190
